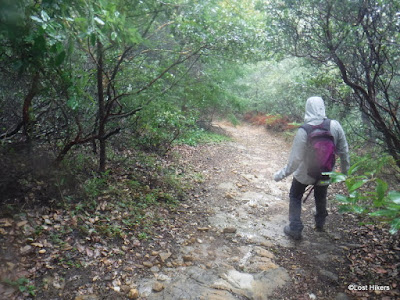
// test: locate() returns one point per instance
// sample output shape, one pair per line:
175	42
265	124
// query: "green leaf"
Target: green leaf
73	103
45	16
99	21
356	166
342	198
383	213
395	226
356	185
93	39
60	58
394	196
39	46
381	189
70	47
114	36
34	18
358	209
345	208
337	177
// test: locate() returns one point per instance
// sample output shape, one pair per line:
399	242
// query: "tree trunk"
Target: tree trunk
26	113
101	104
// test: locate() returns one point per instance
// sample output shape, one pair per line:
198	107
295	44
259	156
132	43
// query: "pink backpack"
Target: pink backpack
322	150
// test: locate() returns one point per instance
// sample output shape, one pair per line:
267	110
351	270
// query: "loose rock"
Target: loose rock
133	294
164	256
158	287
229	230
147	264
87	297
187	258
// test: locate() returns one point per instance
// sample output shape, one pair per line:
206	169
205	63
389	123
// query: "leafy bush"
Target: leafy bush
161	128
368	194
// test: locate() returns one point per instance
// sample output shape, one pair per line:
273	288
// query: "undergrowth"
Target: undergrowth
124	201
196	137
270	121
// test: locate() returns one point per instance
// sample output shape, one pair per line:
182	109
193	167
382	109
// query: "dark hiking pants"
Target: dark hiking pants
296	194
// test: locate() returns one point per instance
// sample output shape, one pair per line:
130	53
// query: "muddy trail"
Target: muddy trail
239	250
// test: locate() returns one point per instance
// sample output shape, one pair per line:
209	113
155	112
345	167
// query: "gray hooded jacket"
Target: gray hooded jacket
315	114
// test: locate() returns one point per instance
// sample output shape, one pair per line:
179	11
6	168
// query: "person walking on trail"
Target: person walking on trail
300	161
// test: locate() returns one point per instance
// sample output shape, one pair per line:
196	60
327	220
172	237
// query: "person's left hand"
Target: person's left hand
278	176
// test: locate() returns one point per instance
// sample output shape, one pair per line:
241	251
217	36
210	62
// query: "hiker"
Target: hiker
299	162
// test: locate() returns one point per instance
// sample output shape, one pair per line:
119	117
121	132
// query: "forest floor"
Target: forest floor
224	242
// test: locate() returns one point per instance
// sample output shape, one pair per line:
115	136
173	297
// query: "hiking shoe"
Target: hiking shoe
296	235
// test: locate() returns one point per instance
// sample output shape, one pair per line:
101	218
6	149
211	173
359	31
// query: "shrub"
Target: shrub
369	195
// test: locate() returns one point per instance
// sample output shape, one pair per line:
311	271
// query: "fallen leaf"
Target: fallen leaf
5	222
22	223
89	252
380	271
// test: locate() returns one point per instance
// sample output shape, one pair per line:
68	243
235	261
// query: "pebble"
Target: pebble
133	294
187	258
87	297
155	269
26	250
329	274
158	287
229	196
264	253
203	229
147	264
162	277
229	230
164	256
341	296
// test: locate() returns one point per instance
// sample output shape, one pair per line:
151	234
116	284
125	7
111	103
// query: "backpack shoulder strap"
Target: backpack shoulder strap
326	124
307	127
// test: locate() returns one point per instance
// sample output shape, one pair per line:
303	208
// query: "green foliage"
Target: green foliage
151	53
201	136
369	194
359	40
95	185
23	284
158	127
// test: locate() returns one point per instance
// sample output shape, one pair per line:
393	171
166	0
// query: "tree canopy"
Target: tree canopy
87	69
361	40
81	72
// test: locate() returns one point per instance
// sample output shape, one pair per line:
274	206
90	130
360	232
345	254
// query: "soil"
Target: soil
226	241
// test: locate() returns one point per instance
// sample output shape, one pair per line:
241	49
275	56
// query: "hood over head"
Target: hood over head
315	109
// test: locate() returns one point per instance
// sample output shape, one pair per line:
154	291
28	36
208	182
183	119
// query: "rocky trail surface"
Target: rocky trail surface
239	250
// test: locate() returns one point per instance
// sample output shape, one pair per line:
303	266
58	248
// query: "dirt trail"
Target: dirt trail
238	249
225	242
